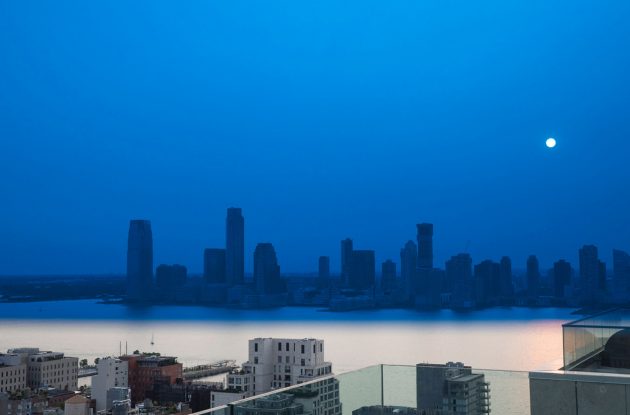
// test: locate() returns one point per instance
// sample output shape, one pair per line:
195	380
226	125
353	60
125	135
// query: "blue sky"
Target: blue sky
322	120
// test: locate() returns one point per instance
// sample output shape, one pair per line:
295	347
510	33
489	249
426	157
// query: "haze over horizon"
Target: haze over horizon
321	121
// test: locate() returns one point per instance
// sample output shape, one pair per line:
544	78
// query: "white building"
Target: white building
111	373
12	372
51	369
274	364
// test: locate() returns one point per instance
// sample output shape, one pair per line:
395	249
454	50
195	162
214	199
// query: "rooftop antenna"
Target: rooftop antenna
126	352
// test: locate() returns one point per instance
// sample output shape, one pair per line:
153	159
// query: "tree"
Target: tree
83	363
98	359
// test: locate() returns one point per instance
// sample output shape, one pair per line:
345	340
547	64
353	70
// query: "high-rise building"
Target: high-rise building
111	373
362	272
459	275
507	286
451	389
561	278
408	265
235	247
621	273
425	245
533	276
214	265
139	260
346	254
487	282
388	275
168	277
146	370
323	268
590	274
266	269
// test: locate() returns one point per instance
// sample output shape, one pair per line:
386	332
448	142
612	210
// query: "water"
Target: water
498	338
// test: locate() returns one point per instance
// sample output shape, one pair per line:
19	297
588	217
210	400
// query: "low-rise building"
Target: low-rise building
12	372
49	369
111	373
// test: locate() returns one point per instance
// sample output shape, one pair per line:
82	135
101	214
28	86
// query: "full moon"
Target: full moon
551	142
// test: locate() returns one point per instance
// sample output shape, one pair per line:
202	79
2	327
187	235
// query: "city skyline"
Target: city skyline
356	121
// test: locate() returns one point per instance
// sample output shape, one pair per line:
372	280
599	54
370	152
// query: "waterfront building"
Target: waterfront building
111	373
346	255
323	268
451	389
505	272
592	275
145	370
459	275
169	277
139	260
49	369
533	277
235	247
12	372
266	270
621	274
408	265
487	282
425	245
362	272
214	271
561	278
272	364
388	275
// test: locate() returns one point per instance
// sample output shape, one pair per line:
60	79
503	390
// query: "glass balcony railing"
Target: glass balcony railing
395	390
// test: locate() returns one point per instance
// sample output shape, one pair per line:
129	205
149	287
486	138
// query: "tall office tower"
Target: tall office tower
590	274
533	276
362	272
235	247
425	245
139	260
112	373
451	389
561	278
621	273
388	275
323	267
346	253
459	273
214	265
408	265
266	269
507	287
170	276
487	282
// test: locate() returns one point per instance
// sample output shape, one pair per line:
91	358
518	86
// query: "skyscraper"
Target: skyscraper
487	282
346	253
139	260
533	276
621	273
214	265
362	273
561	278
425	245
459	273
235	247
590	274
388	275
408	265
266	269
324	267
507	287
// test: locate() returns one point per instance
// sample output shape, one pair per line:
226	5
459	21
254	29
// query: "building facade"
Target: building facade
111	373
139	260
235	247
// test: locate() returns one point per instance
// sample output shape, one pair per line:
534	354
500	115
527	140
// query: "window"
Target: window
255	347
287	347
279	347
314	351
302	349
